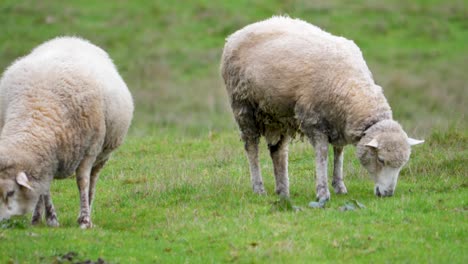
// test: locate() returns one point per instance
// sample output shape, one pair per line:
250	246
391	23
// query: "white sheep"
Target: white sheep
63	109
285	76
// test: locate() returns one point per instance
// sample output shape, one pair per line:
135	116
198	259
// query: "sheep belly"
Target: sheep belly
66	170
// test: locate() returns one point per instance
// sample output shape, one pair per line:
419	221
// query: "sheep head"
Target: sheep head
17	197
383	151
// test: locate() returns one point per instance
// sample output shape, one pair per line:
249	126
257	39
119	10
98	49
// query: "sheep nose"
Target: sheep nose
377	192
380	193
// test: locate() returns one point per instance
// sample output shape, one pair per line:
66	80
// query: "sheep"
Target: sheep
285	77
63	109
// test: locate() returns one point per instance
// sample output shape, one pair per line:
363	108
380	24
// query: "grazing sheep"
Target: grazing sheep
285	76
63	109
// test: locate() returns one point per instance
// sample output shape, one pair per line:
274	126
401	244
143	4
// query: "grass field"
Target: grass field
178	190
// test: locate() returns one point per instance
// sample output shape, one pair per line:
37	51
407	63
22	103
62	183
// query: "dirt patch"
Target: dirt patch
75	258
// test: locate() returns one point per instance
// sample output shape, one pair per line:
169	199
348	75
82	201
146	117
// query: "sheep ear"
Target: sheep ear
373	143
413	141
22	180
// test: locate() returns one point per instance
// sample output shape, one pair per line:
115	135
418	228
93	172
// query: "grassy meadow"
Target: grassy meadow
178	190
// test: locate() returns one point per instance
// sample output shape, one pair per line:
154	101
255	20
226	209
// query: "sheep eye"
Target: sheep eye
381	161
10	193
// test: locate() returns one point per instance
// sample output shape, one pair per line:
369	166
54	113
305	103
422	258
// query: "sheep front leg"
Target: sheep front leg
83	180
320	143
338	179
51	215
279	156
38	210
45	202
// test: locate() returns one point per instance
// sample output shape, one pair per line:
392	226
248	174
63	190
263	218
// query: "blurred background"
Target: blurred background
168	52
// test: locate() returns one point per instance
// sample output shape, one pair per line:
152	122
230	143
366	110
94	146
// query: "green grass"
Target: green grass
179	189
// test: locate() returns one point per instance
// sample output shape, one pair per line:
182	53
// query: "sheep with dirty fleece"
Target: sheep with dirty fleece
285	76
63	109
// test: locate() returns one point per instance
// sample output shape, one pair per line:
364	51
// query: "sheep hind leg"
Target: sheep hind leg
93	179
38	211
51	215
83	181
338	179
279	156
251	149
245	118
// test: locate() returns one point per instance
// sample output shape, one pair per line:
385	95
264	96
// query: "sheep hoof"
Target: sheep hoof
85	222
323	200
86	225
35	220
52	222
323	195
340	189
282	193
259	190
